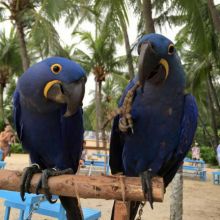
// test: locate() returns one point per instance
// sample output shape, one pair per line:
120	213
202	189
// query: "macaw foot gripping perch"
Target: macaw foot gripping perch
26	179
43	182
146	180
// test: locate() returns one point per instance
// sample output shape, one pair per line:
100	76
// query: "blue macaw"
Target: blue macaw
48	119
164	118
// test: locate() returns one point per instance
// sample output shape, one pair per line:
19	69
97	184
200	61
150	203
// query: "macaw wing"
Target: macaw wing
17	114
117	138
72	138
188	128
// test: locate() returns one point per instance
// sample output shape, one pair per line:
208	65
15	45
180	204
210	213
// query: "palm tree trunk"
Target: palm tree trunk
212	114
128	49
214	93
215	15
100	118
103	134
176	197
104	145
1	103
206	133
22	43
147	14
97	113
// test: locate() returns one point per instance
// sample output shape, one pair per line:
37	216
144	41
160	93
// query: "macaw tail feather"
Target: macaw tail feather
134	209
72	207
134	205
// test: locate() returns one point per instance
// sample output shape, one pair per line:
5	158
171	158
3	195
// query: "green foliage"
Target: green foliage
9	54
44	37
17	148
111	93
2	125
208	155
202	135
189	154
87	121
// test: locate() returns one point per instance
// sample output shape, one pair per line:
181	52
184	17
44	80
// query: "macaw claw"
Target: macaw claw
26	179
146	178
43	182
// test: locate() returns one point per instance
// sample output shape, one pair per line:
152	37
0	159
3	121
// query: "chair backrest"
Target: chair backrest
1	154
2	165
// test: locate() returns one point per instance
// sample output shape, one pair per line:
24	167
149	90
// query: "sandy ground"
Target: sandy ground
201	199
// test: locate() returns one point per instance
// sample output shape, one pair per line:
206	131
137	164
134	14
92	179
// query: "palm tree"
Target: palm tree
143	9
100	61
199	33
17	9
111	93
34	20
215	15
10	63
117	17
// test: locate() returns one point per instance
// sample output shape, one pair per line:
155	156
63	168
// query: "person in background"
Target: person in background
6	138
218	154
84	154
196	152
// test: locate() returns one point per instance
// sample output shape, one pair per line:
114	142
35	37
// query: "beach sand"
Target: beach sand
201	199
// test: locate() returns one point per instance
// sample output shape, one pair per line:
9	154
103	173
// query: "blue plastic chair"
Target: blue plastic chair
57	211
37	204
13	200
2	163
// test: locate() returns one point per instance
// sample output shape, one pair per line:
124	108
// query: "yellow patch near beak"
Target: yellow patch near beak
49	85
166	67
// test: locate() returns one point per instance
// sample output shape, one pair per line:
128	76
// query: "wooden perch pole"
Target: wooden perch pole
99	187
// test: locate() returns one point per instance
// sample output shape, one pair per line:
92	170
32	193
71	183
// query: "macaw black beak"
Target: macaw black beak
70	94
150	65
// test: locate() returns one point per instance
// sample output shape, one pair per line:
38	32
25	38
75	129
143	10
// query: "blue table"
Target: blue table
195	168
216	177
98	163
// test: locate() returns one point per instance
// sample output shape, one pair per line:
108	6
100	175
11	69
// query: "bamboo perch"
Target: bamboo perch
100	187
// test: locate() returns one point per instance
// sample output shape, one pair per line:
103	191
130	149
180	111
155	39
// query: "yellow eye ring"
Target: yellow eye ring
56	68
171	49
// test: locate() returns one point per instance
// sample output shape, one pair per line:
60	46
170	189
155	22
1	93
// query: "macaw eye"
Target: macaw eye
56	68
171	49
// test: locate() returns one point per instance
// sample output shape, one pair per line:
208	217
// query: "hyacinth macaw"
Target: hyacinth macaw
48	119
164	118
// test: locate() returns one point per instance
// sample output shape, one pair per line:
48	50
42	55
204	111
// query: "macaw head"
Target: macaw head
52	83
158	61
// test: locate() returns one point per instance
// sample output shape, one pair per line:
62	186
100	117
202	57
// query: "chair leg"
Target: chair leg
62	215
90	170
27	212
21	215
213	178
7	213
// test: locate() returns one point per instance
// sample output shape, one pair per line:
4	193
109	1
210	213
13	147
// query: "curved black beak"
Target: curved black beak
70	94
150	65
